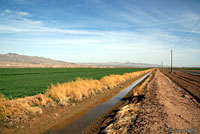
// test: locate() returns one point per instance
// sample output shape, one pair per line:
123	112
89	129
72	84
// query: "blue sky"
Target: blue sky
142	31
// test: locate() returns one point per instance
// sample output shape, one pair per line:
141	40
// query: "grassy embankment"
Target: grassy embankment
18	111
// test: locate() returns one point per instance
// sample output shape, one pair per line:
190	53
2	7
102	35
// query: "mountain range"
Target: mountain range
17	60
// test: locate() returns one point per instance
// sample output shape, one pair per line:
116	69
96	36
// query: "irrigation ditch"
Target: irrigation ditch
56	118
92	120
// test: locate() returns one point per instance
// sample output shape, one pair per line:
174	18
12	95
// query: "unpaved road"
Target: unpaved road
166	107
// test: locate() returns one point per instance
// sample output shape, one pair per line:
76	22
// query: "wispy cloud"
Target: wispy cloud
118	30
7	13
23	13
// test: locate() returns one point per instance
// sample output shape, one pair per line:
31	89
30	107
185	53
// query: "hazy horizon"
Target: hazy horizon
103	31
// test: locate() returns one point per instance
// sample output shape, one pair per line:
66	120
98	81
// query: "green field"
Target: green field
187	68
21	82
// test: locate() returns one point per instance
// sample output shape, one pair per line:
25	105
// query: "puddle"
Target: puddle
88	117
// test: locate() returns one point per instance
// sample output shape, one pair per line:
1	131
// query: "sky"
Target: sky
140	31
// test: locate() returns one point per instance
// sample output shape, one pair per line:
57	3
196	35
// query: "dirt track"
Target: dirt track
165	108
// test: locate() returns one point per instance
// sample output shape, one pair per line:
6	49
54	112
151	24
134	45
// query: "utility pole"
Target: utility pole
171	60
162	64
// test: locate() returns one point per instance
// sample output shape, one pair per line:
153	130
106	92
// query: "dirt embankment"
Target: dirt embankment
127	108
165	108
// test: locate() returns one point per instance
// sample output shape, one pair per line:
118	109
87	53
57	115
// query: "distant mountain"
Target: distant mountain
126	64
17	58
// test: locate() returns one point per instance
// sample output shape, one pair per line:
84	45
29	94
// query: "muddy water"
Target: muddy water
77	125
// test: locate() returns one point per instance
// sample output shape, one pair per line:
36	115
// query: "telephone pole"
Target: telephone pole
171	60
162	64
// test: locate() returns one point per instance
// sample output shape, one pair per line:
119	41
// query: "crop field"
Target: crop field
187	69
21	82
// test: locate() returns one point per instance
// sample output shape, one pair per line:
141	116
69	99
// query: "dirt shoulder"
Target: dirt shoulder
165	108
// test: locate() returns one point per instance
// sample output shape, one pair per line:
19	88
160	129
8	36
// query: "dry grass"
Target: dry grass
83	88
140	90
15	112
123	119
78	90
21	110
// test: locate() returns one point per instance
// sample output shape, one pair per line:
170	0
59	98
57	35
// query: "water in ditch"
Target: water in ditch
79	125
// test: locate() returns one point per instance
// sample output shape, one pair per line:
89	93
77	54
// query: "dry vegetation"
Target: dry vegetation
21	110
83	88
127	114
123	119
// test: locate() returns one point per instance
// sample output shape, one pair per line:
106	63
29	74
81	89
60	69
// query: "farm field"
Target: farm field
21	82
194	71
198	69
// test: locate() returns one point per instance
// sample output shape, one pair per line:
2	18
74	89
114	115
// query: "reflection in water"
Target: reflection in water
85	117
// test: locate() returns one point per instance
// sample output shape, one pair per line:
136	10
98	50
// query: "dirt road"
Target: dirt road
165	108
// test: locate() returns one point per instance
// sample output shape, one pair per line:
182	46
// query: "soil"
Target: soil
52	116
190	83
168	106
